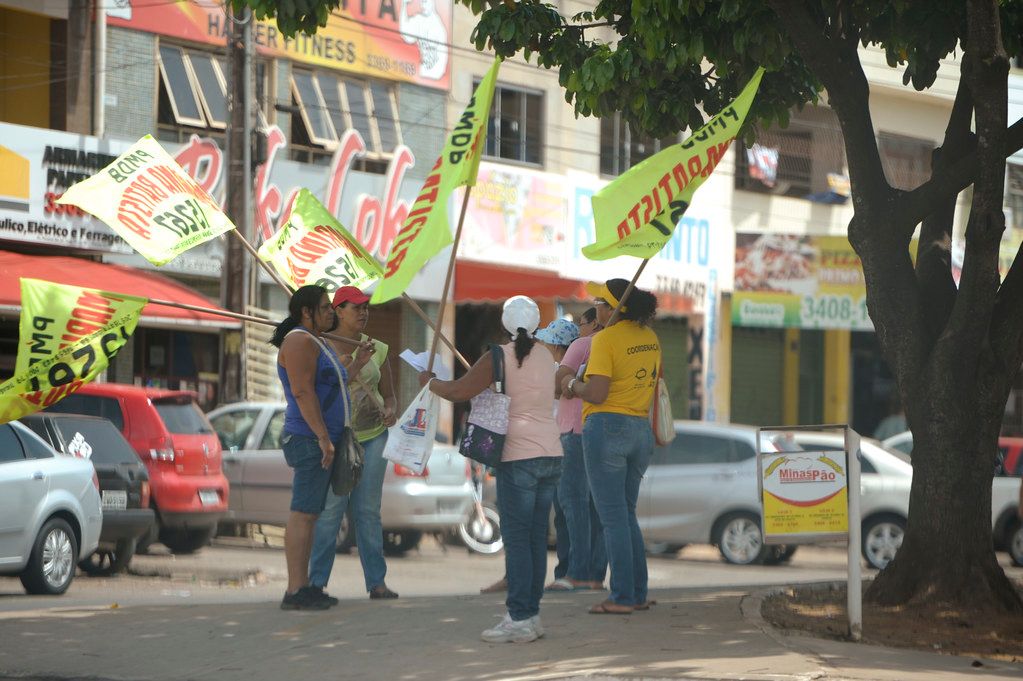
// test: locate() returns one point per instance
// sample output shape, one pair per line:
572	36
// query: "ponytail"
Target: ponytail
282	330
305	298
523	345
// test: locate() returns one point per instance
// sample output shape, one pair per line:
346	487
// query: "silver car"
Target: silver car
50	515
261	480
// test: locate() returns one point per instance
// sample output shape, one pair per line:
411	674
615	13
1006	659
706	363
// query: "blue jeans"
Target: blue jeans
561	543
525	491
587	560
617	449
369	533
310	484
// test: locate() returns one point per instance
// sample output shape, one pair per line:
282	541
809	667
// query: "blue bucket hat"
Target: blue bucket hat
558	332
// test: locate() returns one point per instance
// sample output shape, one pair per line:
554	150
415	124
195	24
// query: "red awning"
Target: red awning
479	282
113	278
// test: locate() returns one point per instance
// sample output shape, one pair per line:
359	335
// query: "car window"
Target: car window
92	405
99	439
697	448
10	446
182	418
272	436
233	427
742	450
865	465
904	446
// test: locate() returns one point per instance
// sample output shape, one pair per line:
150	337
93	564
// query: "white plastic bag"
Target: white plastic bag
410	440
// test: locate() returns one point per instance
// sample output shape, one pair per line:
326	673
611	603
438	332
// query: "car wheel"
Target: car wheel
739	539
882	537
346	535
777	555
51	565
399	542
1016	545
482	535
188	540
106	562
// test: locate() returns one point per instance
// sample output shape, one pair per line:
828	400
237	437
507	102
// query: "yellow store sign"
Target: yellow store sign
804	494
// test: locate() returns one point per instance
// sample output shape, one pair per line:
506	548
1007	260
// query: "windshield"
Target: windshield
183	418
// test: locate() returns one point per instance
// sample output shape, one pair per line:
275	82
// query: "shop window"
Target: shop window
621	147
804	160
329	105
906	160
515	126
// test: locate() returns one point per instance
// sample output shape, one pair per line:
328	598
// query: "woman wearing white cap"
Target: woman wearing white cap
530	464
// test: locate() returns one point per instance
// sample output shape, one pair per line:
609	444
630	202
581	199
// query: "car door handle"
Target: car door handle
38	475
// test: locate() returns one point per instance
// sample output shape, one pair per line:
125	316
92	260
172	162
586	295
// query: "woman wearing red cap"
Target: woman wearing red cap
372	386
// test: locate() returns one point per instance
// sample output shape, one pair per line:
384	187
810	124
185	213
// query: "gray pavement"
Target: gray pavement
691	633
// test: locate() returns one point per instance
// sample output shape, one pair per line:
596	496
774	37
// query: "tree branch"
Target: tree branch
934	255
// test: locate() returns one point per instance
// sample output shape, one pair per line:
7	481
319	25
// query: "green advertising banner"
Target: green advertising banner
807	282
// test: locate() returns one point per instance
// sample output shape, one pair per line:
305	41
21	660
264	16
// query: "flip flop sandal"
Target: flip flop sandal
611	608
566	584
645	605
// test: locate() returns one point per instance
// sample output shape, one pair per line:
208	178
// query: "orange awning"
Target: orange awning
481	282
113	278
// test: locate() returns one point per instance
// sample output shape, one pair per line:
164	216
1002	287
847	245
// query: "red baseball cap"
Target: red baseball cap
349	294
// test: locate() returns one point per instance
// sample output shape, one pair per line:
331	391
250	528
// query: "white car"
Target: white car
438	500
50	512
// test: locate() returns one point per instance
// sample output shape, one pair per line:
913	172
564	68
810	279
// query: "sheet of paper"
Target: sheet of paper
420	360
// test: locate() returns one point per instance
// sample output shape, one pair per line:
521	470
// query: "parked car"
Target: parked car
1010	452
123	483
176	442
886	477
702	489
260	480
50	516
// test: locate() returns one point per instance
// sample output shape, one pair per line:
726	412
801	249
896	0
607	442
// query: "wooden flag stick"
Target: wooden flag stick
628	291
429	322
447	280
255	255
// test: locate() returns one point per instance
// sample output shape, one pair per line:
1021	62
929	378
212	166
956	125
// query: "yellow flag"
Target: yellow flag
314	248
68	335
637	213
426	230
150	201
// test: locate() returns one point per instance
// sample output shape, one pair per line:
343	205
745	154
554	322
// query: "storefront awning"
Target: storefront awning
480	282
113	278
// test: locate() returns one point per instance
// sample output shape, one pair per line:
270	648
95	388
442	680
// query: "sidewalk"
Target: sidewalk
692	633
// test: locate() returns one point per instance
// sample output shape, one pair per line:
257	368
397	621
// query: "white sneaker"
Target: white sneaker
537	625
510	631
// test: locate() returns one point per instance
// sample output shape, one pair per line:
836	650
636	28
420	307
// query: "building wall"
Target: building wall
25	68
423	114
132	78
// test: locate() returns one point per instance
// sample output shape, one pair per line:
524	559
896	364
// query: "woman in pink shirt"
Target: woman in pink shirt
530	463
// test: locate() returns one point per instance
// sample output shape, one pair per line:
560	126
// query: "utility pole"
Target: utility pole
234	278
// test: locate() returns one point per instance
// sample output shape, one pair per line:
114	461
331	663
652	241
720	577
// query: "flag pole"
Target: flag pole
269	270
429	322
628	291
447	279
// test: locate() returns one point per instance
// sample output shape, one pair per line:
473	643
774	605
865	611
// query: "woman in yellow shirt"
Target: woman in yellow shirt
617	390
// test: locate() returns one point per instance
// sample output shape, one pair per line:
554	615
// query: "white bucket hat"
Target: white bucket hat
520	312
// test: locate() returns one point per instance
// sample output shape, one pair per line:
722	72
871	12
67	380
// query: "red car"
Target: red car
176	442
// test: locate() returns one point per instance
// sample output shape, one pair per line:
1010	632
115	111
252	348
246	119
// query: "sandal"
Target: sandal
645	605
567	584
497	587
382	592
611	608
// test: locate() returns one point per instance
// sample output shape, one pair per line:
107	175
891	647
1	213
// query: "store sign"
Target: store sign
803	494
392	39
809	282
516	217
40	164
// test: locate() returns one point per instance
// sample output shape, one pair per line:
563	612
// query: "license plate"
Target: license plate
115	499
209	497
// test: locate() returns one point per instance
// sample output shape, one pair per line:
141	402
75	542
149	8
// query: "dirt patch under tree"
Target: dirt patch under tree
822	612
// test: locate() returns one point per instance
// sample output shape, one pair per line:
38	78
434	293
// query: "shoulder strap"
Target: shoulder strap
340	374
497	356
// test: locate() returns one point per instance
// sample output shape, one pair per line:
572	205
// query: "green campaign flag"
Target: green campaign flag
68	335
151	202
314	248
426	230
637	213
